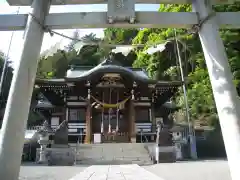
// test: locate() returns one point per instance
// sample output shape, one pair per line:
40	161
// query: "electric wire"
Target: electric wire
192	31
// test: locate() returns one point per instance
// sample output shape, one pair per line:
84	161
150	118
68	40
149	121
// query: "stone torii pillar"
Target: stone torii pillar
224	91
17	108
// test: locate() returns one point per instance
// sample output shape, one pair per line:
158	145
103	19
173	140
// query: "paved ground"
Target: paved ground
35	172
200	170
116	172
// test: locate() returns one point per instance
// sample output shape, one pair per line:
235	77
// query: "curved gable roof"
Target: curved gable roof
107	66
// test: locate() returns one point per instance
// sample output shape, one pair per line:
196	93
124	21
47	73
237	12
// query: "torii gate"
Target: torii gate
39	21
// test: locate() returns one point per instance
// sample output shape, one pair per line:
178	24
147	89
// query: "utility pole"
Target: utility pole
192	138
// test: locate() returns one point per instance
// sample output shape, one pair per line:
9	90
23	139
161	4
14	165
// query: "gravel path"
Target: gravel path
199	170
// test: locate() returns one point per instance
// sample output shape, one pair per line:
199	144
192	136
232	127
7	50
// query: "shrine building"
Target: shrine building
119	104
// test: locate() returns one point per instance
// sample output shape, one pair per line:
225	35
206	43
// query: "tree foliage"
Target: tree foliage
119	36
164	65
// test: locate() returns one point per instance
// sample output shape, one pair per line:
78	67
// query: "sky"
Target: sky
17	42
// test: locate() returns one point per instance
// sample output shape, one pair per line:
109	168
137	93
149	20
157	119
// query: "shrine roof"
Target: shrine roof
90	73
76	72
107	66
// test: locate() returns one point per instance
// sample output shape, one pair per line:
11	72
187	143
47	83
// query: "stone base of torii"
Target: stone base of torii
17	109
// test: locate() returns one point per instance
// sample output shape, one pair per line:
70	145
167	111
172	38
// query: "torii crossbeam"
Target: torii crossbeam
74	2
143	20
17	109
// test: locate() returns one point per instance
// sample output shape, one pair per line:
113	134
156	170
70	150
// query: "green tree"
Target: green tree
164	65
119	35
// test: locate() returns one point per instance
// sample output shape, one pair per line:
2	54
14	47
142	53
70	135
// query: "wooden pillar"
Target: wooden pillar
88	136
88	124
132	129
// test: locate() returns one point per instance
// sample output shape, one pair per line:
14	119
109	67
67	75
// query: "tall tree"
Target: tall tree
164	65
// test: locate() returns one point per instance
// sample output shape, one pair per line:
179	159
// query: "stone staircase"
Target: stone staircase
112	153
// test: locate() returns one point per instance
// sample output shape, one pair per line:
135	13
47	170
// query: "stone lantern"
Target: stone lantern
43	142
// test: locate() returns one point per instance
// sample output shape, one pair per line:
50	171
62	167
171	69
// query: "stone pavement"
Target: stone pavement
198	170
115	172
192	170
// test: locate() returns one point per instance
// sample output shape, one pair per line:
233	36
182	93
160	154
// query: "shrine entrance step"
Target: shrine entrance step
113	153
